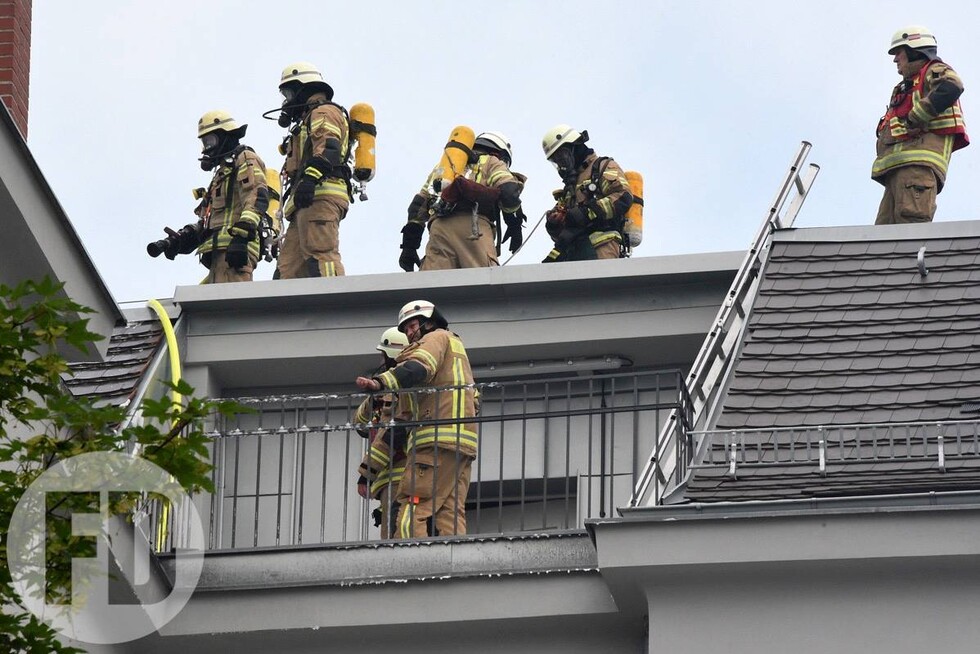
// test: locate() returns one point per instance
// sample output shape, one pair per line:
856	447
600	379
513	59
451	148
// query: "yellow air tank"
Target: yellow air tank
634	217
275	190
455	155
364	133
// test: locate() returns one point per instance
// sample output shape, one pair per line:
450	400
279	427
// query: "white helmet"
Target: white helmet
392	342
304	73
914	36
495	141
558	136
420	308
215	120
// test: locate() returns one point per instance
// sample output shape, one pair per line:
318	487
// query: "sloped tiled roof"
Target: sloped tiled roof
845	333
113	381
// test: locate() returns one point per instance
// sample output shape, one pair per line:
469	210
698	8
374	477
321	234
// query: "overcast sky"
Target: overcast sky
708	100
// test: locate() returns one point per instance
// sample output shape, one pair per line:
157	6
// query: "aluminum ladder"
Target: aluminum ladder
666	469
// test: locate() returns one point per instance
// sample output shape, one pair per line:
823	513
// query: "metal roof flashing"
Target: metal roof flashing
911	231
814	506
497	282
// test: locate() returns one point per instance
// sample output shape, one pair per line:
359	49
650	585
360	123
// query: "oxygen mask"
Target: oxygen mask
288	113
563	159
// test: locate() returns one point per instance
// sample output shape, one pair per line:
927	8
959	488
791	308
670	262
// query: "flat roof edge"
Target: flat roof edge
911	231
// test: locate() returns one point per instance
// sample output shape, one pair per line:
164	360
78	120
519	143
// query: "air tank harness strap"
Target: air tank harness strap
358	126
470	156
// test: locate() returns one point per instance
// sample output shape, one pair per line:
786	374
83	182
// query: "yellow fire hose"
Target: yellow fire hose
163	527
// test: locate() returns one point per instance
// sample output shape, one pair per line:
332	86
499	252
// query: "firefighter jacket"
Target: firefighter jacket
928	102
308	138
238	193
601	189
502	192
384	462
438	359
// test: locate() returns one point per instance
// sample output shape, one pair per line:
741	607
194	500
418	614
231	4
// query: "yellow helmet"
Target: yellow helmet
914	36
304	73
558	136
392	342
218	119
420	309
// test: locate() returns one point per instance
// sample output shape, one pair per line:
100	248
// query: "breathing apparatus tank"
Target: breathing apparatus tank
275	191
270	228
365	133
455	156
633	226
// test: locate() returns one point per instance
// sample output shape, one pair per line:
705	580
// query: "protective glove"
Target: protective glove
244	229
514	232
576	218
565	238
362	487
411	241
188	238
237	253
172	249
409	259
305	190
554	256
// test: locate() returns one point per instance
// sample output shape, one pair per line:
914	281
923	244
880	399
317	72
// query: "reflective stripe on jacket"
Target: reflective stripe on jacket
308	139
377	465
446	364
238	192
943	133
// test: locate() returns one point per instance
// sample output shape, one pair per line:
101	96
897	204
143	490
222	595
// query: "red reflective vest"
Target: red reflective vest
948	122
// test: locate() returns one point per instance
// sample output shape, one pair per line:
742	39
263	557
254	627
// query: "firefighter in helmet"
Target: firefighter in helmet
587	219
458	238
440	455
232	206
383	465
318	177
922	126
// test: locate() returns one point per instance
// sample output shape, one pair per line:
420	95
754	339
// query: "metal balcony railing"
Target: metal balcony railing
552	453
936	445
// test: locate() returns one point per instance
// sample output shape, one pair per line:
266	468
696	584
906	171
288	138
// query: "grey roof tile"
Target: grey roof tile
942	394
824	250
822	266
112	381
853	249
958	341
893	296
951	377
778	366
878	248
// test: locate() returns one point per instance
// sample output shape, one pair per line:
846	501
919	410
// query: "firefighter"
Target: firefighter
316	172
587	219
458	237
922	126
383	466
440	456
234	202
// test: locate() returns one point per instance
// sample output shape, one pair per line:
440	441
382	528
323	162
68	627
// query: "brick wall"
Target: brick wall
15	58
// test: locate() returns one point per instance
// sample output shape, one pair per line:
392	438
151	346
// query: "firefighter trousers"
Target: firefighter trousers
910	196
434	487
451	244
389	511
311	245
220	272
